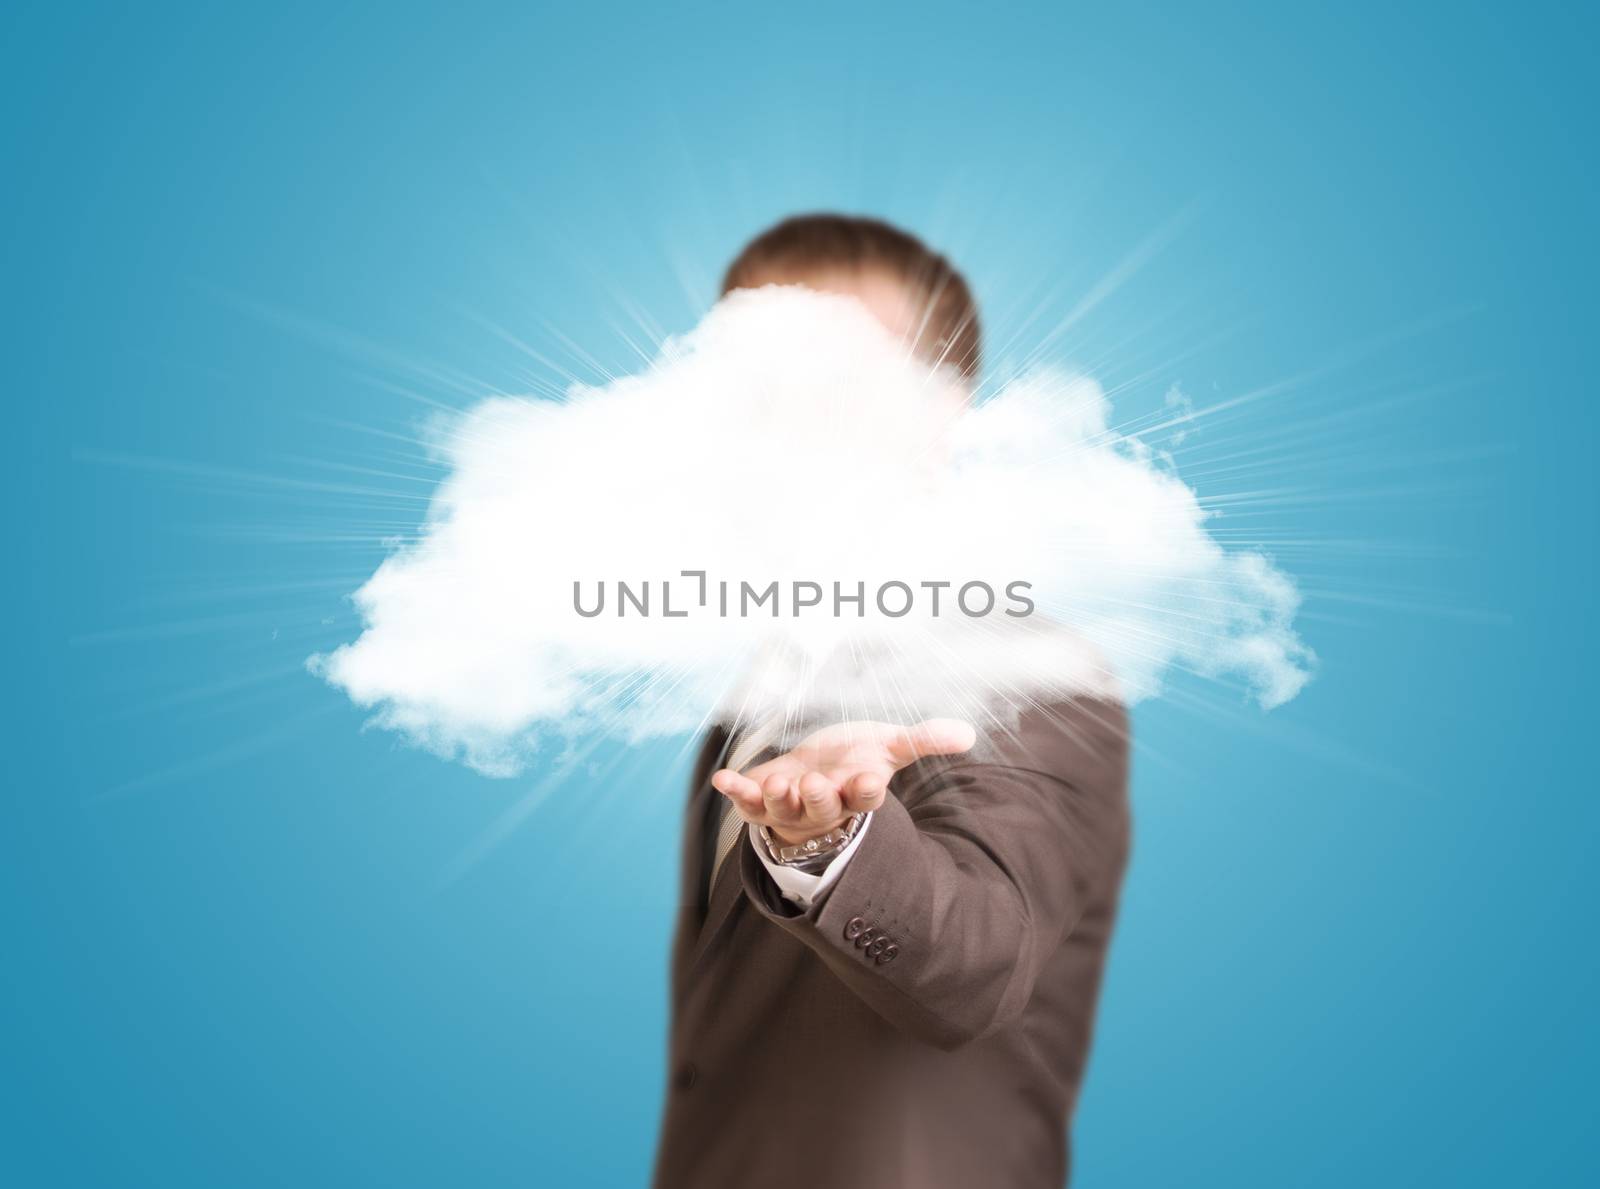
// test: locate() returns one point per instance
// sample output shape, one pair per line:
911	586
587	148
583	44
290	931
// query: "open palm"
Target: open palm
836	772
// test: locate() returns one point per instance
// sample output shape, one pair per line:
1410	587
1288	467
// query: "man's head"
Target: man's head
910	288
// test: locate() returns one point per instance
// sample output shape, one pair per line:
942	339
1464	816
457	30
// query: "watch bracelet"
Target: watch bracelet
813	862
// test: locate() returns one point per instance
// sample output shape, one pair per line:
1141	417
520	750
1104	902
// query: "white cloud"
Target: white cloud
788	438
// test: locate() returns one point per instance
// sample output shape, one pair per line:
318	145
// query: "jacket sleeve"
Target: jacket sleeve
973	874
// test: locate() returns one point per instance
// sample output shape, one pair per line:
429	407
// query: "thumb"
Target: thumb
932	737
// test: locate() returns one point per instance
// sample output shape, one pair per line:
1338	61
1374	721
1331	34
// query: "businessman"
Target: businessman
889	941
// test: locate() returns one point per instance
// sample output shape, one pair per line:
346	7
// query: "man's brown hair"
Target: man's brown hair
805	245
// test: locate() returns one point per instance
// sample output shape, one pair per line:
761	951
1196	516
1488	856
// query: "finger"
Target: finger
742	792
779	799
730	783
864	792
820	797
933	737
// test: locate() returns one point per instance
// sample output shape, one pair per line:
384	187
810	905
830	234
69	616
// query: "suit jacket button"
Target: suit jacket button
854	928
686	1076
889	954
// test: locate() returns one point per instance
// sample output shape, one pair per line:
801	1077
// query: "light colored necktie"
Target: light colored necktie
727	837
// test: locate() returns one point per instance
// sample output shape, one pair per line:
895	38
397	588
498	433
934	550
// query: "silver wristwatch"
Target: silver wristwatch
812	855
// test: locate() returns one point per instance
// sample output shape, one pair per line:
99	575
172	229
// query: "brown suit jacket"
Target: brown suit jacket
927	1022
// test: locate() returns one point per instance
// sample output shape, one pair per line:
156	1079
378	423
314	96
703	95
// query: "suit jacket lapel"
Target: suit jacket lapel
727	893
699	835
752	746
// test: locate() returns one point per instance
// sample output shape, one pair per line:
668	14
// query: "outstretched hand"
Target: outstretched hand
838	771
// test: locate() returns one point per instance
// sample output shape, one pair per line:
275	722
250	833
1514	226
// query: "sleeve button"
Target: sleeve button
854	928
890	952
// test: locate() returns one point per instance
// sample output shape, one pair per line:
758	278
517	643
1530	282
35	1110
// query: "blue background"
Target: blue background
247	252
